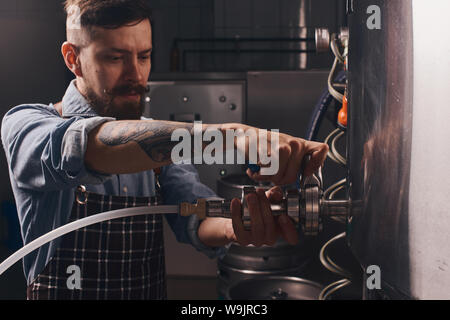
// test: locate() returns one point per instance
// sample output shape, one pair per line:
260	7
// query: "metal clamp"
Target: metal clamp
81	194
311	194
310	218
293	205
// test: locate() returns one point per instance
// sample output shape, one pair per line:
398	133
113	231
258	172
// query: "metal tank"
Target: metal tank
398	146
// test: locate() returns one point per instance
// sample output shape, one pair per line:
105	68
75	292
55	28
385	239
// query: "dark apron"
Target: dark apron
116	259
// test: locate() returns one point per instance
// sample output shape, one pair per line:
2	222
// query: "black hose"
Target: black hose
319	112
321	109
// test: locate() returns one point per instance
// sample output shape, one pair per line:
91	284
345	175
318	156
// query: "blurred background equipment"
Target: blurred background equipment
310	68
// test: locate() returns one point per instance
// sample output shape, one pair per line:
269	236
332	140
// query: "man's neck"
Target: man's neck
58	107
80	87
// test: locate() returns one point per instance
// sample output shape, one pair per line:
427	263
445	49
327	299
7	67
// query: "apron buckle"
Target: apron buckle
82	195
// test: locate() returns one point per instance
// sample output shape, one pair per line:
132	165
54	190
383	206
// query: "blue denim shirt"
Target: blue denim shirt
45	154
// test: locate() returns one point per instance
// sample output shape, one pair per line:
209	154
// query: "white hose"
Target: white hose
333	267
335	286
330	154
335	49
337	95
327	262
333	193
336	154
75	225
333	187
333	154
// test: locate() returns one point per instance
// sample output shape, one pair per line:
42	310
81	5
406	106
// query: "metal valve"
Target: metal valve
323	38
305	206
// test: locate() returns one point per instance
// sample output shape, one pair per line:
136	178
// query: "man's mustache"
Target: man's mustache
127	90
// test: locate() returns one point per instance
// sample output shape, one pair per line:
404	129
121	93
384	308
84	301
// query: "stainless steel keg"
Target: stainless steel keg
274	288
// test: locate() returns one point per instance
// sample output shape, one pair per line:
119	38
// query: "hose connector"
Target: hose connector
199	209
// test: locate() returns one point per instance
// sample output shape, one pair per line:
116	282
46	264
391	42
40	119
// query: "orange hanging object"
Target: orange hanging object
342	116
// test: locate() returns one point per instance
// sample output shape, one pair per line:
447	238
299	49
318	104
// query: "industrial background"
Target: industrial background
258	62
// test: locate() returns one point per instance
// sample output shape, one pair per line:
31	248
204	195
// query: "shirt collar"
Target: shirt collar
74	104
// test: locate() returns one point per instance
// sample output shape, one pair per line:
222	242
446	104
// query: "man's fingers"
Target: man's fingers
284	158
291	156
294	164
318	152
257	223
288	230
265	228
275	194
242	236
270	232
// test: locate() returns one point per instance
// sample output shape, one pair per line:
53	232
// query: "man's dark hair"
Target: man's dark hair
109	14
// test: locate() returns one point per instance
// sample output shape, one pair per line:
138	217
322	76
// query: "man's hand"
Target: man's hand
291	155
265	228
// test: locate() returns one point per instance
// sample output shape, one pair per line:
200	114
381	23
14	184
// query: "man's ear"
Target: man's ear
71	58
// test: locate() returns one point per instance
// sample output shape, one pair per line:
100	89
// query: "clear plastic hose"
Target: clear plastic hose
75	225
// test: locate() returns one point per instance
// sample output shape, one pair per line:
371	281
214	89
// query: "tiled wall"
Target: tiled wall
244	19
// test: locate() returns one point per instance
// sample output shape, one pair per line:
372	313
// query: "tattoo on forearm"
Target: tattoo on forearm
153	137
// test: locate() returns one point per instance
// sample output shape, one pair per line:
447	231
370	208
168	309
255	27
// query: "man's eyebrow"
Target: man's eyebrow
127	51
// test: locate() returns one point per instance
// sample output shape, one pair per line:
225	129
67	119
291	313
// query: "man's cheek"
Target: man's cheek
107	74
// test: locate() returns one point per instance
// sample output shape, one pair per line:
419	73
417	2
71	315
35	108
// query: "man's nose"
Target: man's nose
132	71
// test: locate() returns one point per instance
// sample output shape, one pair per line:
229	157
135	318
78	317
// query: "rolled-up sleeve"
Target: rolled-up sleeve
46	152
181	183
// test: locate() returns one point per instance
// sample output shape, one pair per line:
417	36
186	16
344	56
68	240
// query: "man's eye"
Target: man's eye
144	57
114	58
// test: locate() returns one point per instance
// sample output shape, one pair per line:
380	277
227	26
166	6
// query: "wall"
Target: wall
31	71
275	19
245	19
178	19
31	34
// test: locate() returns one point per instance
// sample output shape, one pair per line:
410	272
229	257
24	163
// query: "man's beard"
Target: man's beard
106	107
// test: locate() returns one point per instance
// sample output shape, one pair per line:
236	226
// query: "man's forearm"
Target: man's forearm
120	147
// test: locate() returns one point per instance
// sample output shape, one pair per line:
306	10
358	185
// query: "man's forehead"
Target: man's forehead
120	50
133	37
